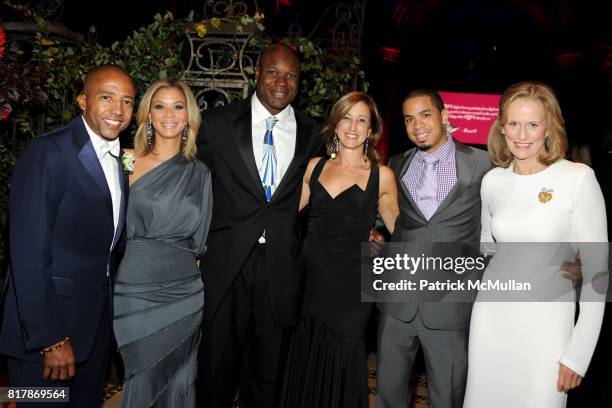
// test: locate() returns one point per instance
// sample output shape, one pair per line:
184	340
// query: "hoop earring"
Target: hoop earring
185	134
150	133
335	147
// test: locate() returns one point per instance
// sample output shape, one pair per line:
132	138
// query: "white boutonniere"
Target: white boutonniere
127	162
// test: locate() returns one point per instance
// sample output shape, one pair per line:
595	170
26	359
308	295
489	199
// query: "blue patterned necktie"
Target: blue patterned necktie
268	177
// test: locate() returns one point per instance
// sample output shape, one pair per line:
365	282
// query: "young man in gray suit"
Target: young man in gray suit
439	200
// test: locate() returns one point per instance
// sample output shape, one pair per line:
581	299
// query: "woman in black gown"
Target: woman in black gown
327	359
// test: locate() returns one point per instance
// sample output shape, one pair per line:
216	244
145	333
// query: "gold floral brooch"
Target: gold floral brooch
545	195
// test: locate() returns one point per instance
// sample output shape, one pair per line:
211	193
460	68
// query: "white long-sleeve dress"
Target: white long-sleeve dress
536	222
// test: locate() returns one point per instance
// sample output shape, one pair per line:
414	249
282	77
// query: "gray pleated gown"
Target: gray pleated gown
159	295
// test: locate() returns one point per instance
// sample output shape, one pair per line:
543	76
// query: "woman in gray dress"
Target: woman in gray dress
159	294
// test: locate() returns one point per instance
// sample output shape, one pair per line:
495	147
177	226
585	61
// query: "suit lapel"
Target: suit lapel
403	167
122	204
301	145
465	173
89	159
244	139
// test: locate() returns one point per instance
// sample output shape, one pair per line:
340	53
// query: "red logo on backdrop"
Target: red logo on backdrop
390	54
471	115
2	41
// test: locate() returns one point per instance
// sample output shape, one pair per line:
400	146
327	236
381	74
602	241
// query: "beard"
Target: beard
424	147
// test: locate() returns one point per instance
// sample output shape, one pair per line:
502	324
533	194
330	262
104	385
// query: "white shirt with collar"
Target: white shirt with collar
111	171
284	133
284	136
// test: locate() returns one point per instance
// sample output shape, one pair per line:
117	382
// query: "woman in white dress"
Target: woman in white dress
530	354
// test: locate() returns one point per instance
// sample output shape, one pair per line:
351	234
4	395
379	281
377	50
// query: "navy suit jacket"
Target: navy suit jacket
60	236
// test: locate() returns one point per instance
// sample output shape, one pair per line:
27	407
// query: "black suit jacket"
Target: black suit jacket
241	212
61	232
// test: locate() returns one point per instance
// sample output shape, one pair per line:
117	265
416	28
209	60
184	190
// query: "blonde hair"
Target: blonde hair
189	148
341	108
555	142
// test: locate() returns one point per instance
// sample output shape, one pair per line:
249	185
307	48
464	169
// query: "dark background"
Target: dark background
469	45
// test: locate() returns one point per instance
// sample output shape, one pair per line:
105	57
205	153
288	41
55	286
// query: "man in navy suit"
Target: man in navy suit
67	212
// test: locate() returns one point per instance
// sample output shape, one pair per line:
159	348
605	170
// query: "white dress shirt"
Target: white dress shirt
284	139
284	136
111	171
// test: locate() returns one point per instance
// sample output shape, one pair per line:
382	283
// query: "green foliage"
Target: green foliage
65	68
151	53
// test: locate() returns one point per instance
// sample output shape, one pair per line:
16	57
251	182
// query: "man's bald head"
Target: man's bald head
277	50
95	73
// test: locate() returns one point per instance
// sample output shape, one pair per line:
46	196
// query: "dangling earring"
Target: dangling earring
335	147
150	133
185	134
365	150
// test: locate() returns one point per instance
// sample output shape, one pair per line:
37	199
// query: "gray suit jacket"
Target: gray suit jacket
456	220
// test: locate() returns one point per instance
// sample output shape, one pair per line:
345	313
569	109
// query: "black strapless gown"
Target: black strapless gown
326	366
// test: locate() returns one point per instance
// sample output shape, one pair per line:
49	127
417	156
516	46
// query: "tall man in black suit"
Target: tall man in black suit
447	211
257	151
67	212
